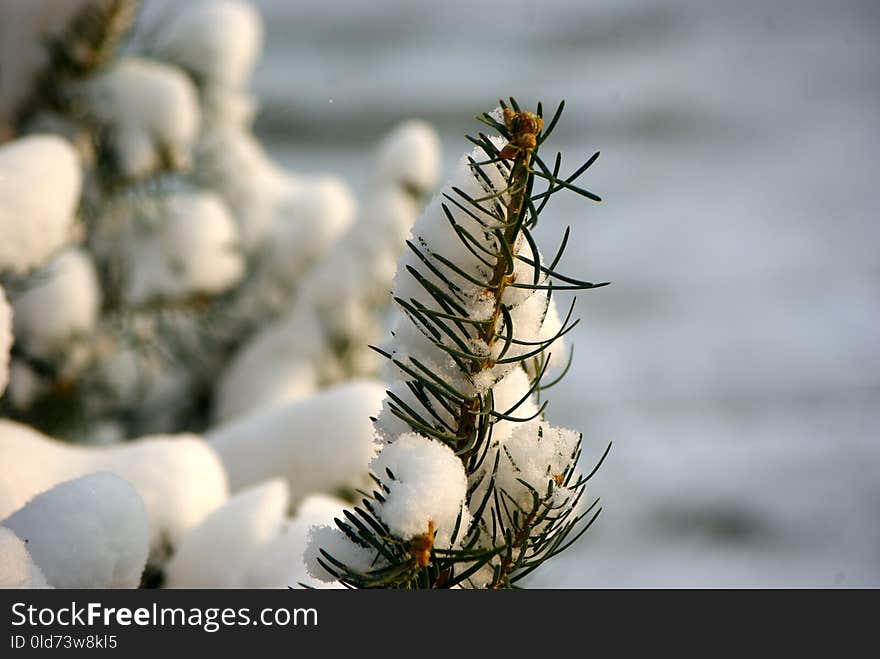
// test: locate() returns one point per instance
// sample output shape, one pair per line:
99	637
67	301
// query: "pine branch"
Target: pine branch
512	519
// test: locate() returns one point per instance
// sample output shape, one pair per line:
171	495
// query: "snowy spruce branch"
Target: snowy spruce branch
473	487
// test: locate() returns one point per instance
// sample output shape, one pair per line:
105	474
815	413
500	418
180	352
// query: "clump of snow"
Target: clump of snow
62	304
429	486
5	339
329	539
217	42
231	161
17	568
319	444
92	532
192	249
308	220
150	111
269	370
179	478
536	453
218	552
280	564
409	157
40	181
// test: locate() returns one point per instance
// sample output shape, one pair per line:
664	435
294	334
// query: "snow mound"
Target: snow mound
92	532
151	113
319	444
428	488
17	568
322	208
268	370
279	564
194	249
40	181
218	552
178	477
409	157
232	162
62	305
216	42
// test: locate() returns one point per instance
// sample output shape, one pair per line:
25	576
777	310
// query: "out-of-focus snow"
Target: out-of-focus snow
92	532
23	56
62	304
179	478
150	112
249	542
323	443
409	156
338	302
308	220
217	42
40	181
192	249
5	339
17	568
232	162
280	563
219	551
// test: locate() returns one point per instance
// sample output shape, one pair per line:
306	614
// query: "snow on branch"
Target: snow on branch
472	487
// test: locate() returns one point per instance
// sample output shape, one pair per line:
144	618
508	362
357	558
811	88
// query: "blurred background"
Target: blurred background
735	360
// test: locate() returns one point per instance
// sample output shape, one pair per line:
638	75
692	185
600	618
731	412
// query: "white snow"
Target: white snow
218	552
507	392
319	444
535	452
269	369
17	568
334	542
217	42
6	339
40	182
409	156
429	486
62	304
192	248
279	563
230	161
178	477
92	532
151	112
307	221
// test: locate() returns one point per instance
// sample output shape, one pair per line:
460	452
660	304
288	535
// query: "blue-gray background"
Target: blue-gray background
734	362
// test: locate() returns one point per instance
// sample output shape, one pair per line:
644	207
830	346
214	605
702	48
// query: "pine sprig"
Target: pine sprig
508	535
